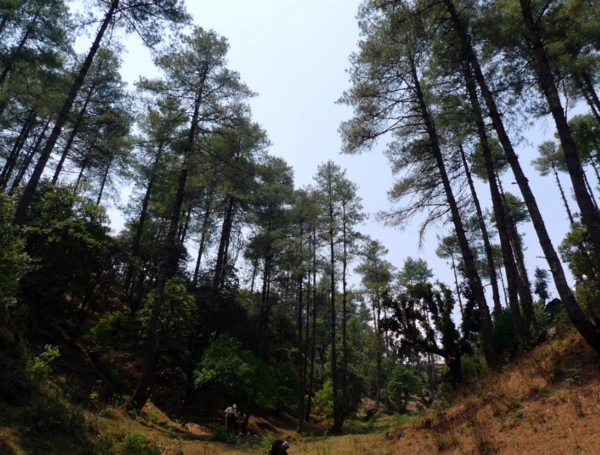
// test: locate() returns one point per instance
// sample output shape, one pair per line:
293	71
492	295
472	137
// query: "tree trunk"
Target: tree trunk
11	161
460	304
499	209
595	101
218	276
143	214
587	328
28	158
486	239
587	208
524	286
314	325
140	396
471	271
332	318
345	398
300	360
76	126
306	336
203	238
562	195
104	179
63	117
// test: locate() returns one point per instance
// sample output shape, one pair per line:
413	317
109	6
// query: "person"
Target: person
230	415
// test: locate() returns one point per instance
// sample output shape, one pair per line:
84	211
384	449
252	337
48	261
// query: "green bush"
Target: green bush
220	434
446	392
403	382
40	367
97	339
267	442
505	341
137	444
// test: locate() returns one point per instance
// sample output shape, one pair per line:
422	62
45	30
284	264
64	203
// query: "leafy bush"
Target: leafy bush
220	434
98	337
324	399
267	442
403	381
225	362
40	367
505	341
137	444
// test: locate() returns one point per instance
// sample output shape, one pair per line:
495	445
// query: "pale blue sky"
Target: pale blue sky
294	54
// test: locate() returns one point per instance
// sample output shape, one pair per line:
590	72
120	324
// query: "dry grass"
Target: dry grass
546	402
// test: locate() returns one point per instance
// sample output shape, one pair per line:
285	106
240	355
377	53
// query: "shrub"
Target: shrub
220	434
40	367
137	444
505	341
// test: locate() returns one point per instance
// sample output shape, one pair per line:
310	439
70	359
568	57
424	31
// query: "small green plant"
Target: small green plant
40	367
266	443
220	434
137	444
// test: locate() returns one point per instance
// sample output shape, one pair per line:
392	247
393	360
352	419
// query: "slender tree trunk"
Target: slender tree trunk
499	209
28	158
142	220
594	164
140	396
104	180
314	325
300	360
562	195
11	161
595	101
524	286
332	315
474	280
587	184
587	328
218	276
586	95
203	238
486	239
306	336
344	316
460	304
76	126
587	208
63	117
503	287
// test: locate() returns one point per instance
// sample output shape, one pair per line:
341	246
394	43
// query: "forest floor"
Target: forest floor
545	402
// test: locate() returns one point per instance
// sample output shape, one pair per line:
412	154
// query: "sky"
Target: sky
294	54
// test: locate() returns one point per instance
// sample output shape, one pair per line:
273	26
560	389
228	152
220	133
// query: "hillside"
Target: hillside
546	401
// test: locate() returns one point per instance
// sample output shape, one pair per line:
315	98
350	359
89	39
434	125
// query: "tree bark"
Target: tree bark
76	126
11	161
314	325
300	360
486	239
562	195
104	180
332	313
471	271
203	238
219	268
63	117
587	328
28	158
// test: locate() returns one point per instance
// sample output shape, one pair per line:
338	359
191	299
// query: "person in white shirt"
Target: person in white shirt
230	415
